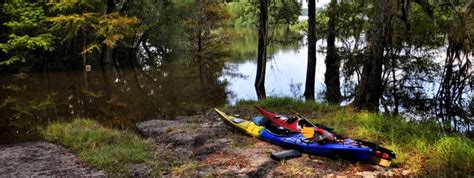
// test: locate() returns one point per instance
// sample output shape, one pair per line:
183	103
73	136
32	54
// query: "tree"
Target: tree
371	88
207	47
331	77
284	12
457	79
262	50
311	71
245	13
95	26
27	37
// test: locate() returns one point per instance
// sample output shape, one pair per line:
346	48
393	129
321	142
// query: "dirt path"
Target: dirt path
34	159
203	145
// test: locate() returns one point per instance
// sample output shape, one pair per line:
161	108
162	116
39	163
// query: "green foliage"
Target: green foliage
206	40
23	16
321	24
281	12
115	27
40	42
27	33
164	23
104	148
350	19
78	20
244	13
244	42
72	24
284	11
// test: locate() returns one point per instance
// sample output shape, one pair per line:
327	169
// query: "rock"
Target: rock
367	174
41	158
155	127
138	170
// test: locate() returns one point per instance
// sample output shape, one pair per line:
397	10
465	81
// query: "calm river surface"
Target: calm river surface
159	91
30	101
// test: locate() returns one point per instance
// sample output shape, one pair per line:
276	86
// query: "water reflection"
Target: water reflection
176	88
162	89
286	72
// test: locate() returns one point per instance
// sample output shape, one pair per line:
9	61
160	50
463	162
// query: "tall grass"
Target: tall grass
420	146
107	149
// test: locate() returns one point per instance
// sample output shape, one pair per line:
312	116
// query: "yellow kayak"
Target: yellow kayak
248	127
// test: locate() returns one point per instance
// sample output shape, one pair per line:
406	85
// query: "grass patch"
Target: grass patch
420	146
287	104
186	169
107	149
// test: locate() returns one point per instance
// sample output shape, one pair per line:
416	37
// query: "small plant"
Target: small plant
186	169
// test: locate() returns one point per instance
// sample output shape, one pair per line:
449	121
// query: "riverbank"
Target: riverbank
421	147
203	145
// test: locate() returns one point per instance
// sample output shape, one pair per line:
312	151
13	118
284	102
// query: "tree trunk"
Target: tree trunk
331	77
395	87
370	88
84	60
262	51
106	57
311	71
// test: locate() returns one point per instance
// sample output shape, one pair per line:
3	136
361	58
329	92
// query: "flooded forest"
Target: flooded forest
121	62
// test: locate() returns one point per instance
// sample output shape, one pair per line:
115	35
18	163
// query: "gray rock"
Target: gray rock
139	170
41	158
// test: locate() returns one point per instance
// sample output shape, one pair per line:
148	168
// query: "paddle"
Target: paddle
307	132
328	129
284	155
314	125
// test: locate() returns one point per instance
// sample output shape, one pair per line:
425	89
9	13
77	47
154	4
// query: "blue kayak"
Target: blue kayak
348	149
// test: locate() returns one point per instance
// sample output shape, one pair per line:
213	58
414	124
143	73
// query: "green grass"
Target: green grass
420	146
287	105
107	149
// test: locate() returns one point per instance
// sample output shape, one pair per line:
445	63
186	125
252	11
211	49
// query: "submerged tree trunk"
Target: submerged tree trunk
105	63
370	89
106	57
311	71
262	51
331	77
84	60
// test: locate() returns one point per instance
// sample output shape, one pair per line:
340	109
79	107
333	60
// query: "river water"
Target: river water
285	75
163	91
160	91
